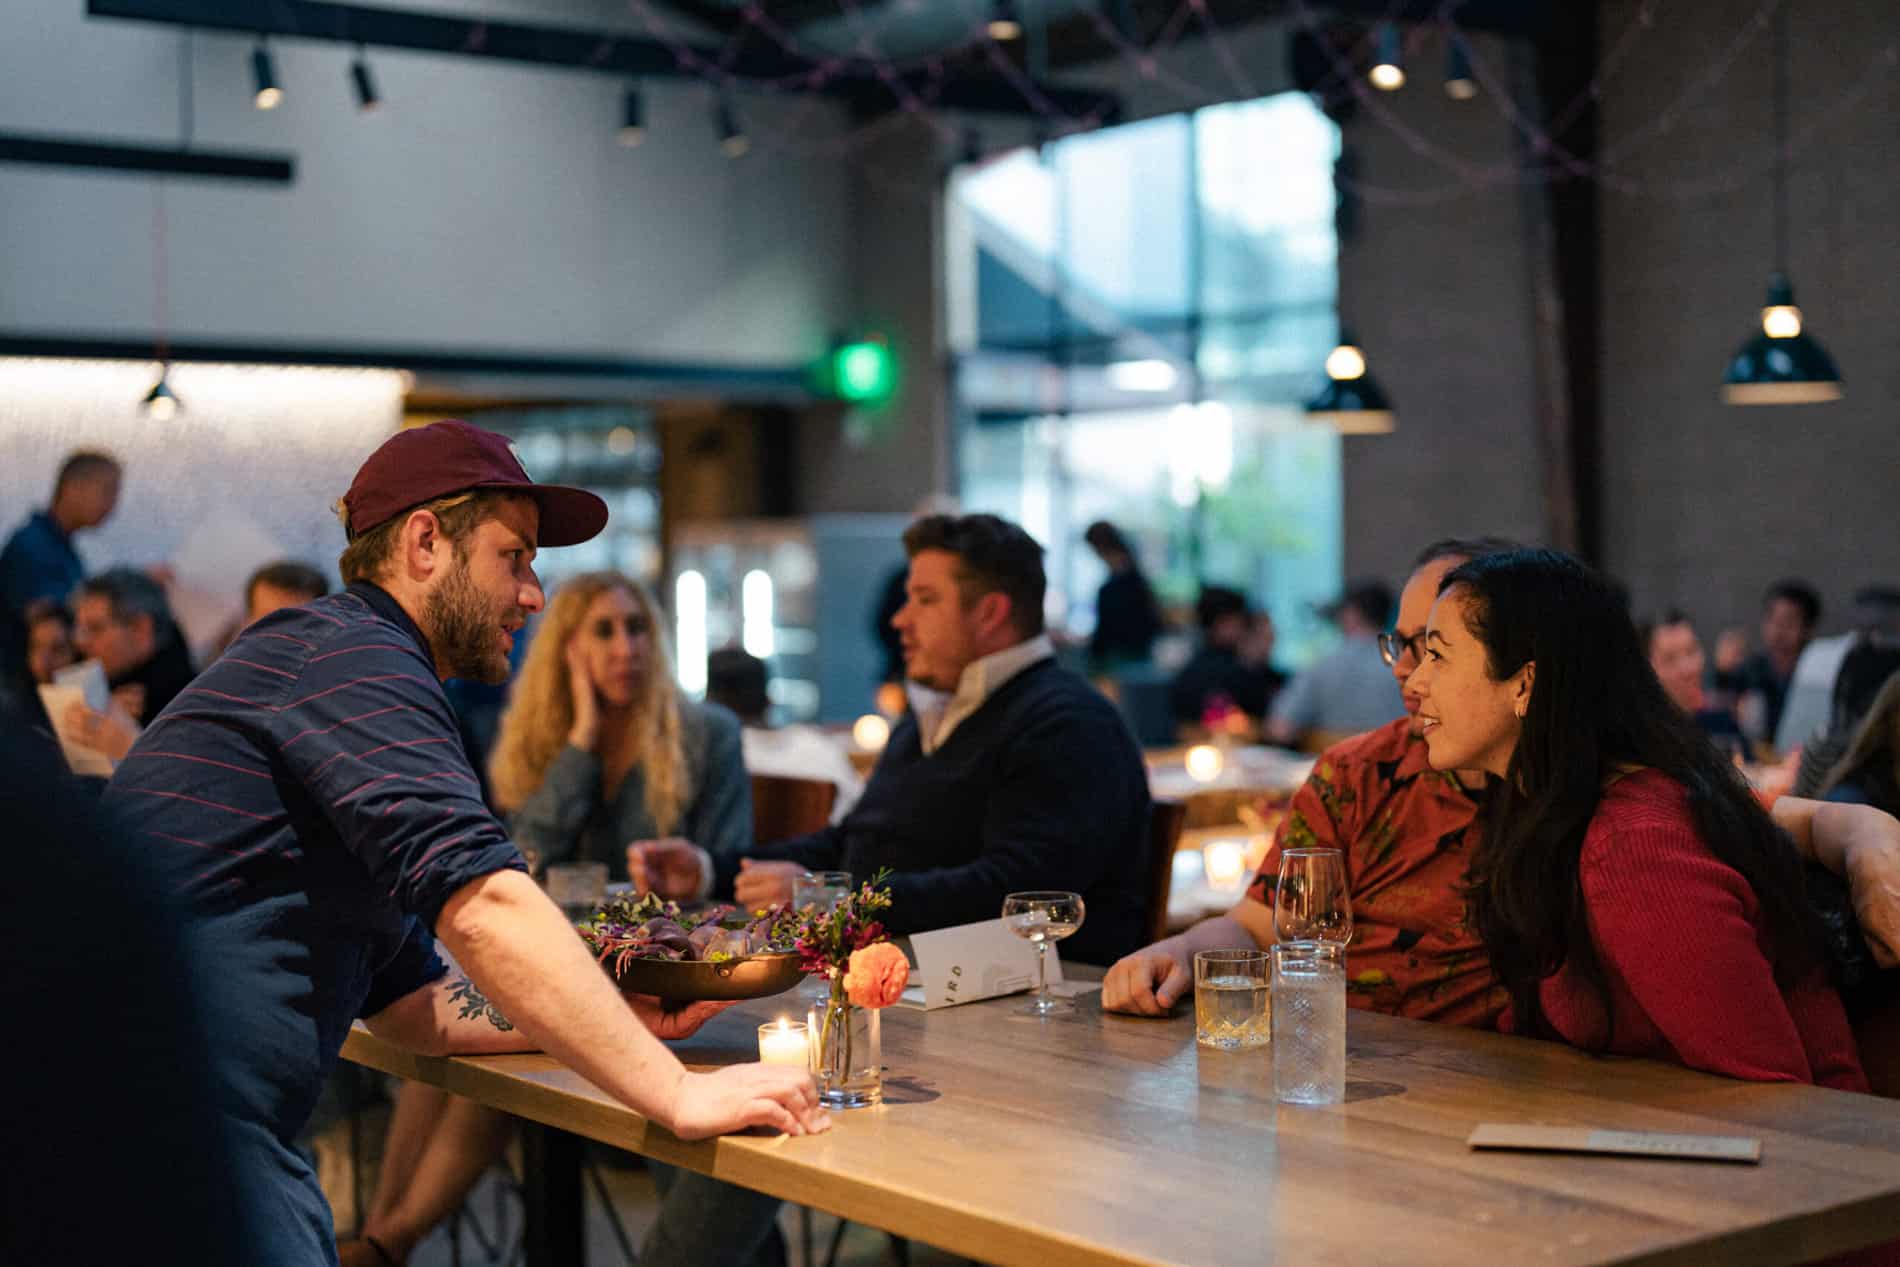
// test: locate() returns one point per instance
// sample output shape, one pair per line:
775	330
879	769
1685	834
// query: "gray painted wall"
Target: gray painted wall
486	206
1707	503
1435	282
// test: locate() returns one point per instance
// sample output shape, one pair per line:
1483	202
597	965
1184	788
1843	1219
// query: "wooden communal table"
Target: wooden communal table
1109	1139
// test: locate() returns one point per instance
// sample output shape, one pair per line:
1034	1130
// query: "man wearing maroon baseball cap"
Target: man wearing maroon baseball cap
308	798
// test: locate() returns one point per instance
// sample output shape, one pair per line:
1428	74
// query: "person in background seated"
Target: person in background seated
1348	690
1675	656
1232	662
39	561
122	620
736	681
1810	707
1127	617
1868	773
1632	894
600	749
285	583
1015	774
1790	611
1406	833
49	641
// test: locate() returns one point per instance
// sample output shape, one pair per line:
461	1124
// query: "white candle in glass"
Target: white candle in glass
784	1042
1226	864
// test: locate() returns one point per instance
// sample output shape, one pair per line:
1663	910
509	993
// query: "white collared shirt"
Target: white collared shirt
938	715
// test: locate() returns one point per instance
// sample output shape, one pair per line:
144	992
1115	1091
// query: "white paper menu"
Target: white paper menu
972	961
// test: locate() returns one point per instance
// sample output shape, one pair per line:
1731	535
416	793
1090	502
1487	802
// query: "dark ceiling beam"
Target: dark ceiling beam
53	151
605	52
1077	40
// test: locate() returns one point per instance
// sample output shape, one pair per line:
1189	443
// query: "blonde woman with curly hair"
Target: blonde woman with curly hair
600	750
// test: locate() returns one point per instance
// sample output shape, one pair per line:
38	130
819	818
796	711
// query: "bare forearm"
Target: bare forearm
1825	832
524	958
1236	930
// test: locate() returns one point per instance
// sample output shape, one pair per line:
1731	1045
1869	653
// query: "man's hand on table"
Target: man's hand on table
682	1022
671	868
776	1096
761	884
1147	982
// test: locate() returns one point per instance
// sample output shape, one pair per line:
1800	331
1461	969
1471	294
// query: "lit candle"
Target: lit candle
1204	763
785	1042
871	733
1226	864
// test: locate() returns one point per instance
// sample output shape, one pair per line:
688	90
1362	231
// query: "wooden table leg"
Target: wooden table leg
554	1230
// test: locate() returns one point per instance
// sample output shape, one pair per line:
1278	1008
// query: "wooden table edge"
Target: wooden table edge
758	1162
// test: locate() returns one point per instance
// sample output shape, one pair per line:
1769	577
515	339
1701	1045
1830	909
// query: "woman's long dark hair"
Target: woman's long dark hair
1595	707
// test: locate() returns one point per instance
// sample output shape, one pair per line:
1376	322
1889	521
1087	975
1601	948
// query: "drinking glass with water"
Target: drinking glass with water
1309	1022
1231	999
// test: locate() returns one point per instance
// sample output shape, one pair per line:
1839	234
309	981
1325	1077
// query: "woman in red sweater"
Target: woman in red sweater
1634	896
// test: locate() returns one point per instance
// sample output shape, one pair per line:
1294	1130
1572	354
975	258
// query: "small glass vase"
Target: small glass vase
848	1055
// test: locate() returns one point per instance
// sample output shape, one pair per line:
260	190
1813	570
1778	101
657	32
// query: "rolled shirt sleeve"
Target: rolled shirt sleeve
369	735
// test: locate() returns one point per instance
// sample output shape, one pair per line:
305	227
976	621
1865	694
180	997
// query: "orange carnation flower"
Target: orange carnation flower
876	975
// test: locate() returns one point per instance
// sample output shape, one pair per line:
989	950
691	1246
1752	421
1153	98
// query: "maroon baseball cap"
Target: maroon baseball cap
424	463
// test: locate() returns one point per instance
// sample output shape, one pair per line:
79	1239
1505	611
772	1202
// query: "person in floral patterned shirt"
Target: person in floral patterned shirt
1403	828
1405	831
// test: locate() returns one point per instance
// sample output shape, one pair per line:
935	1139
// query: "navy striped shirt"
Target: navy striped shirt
310	796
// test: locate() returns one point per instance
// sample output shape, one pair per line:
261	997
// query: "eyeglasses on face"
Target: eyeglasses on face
1393	648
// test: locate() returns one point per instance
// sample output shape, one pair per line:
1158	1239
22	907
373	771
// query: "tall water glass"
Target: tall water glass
820	888
1309	1023
823	889
1231	1004
1311	902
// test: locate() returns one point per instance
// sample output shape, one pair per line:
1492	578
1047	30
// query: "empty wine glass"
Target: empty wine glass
1044	918
1311	903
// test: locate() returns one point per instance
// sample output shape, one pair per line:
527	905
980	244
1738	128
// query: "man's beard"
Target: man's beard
463	629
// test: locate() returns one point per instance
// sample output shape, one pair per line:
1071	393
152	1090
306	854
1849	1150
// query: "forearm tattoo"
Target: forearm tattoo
474	1003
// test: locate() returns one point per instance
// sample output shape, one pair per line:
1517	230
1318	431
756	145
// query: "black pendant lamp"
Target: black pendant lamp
1782	364
1351	401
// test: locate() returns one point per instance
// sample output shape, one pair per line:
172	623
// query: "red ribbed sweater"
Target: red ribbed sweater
1679	936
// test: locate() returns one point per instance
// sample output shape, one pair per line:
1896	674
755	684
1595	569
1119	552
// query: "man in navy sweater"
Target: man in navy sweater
1010	773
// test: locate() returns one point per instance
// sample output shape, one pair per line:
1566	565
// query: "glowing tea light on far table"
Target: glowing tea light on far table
1204	763
871	732
785	1042
1225	862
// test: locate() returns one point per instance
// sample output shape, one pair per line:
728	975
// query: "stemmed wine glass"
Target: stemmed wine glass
1045	918
1311	903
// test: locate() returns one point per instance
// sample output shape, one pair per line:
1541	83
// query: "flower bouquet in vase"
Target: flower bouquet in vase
847	946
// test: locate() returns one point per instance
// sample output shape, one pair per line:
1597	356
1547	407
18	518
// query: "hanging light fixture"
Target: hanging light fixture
1004	25
1388	64
366	99
1351	402
264	76
1782	365
1459	83
161	404
633	126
